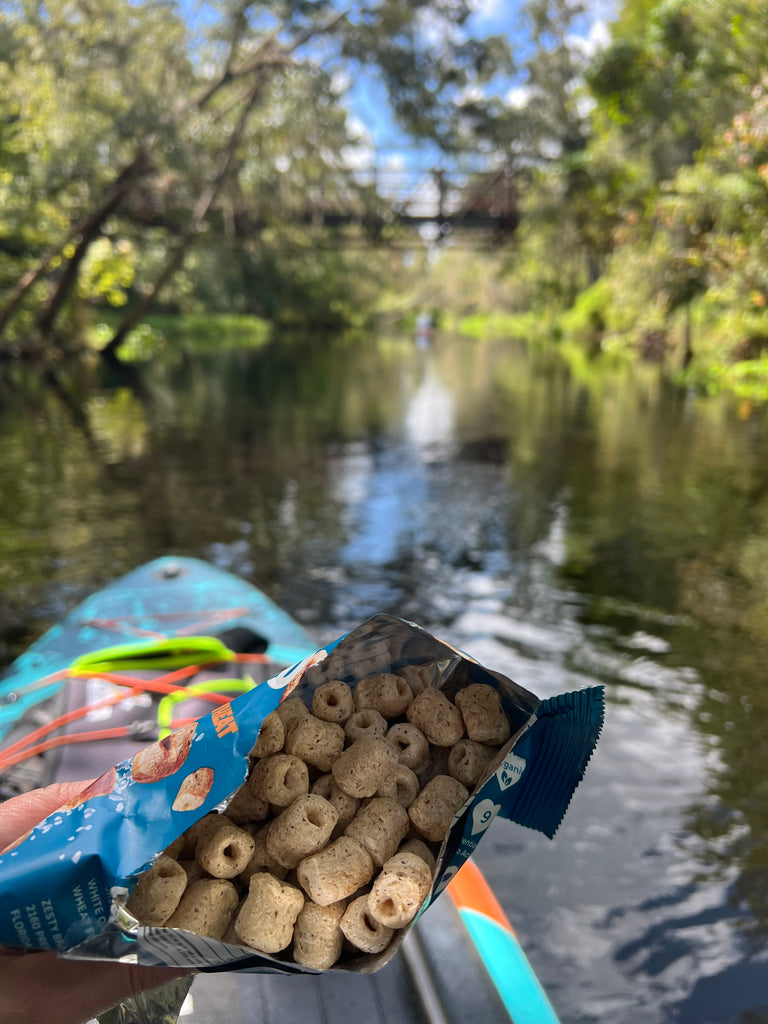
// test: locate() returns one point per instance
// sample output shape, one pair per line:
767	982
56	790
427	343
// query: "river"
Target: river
567	521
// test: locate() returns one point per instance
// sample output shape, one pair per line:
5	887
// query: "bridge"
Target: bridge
439	204
377	203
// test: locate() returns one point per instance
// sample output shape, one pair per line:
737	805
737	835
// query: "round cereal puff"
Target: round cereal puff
345	806
317	936
290	709
362	930
279	779
158	891
399	890
364	766
335	872
366	722
206	908
260	860
333	702
271	736
411	745
379	826
420	848
468	760
267	917
303	828
225	852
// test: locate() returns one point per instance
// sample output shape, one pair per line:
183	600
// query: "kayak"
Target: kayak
147	654
173	619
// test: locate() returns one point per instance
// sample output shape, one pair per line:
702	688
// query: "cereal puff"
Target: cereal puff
362	930
303	828
386	693
266	919
380	826
316	742
279	779
206	908
399	890
365	722
336	872
364	766
317	935
271	736
468	760
484	717
224	852
158	891
411	745
435	807
437	717
333	702
260	859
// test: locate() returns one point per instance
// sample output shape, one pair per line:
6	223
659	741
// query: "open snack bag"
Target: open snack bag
305	825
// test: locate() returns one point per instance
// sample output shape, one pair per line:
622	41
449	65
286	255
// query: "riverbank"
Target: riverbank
586	332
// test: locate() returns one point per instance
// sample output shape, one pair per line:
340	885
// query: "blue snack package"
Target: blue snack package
65	885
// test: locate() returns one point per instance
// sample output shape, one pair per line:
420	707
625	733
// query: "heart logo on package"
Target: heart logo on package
483	814
510	771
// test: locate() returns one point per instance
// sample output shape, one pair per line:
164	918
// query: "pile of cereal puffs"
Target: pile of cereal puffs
328	849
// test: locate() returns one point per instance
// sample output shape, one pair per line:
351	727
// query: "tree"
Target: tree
151	151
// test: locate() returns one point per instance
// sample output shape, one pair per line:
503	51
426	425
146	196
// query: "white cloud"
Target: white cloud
341	81
434	32
518	97
487	8
395	161
596	39
359	130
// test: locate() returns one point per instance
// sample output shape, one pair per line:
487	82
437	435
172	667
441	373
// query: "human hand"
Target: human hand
42	988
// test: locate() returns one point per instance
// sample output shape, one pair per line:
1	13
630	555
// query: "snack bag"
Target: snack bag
306	824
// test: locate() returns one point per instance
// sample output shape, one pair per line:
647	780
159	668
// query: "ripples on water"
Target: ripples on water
566	525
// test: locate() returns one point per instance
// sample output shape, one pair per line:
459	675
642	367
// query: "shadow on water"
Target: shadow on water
565	520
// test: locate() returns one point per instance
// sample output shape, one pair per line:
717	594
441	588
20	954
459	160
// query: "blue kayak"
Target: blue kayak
158	614
65	714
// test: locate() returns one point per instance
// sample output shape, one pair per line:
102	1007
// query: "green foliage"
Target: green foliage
652	237
130	131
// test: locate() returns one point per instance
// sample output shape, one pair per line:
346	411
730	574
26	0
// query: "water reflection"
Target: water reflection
566	521
430	417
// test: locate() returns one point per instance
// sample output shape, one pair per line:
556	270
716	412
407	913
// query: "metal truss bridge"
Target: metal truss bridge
440	205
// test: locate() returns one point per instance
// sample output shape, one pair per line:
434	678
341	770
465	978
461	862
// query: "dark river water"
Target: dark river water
564	521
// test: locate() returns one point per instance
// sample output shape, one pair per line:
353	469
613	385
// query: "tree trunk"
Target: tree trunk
687	337
202	207
89	227
109	351
68	279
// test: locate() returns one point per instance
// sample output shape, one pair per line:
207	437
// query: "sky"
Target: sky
408	164
367	96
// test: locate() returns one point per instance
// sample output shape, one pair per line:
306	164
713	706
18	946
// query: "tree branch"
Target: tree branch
84	227
200	212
